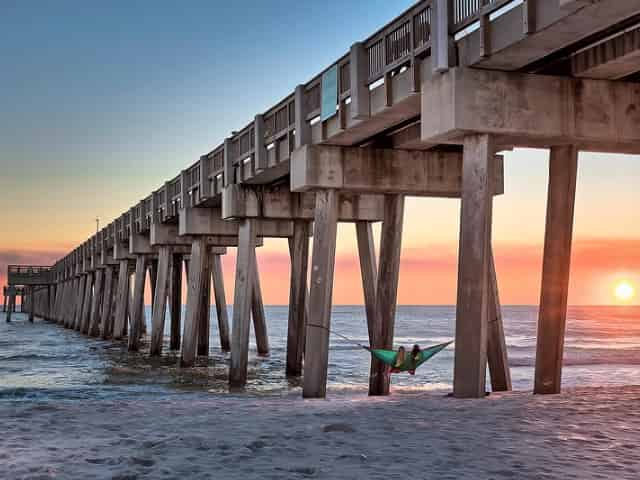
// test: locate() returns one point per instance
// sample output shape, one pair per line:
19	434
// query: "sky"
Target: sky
101	102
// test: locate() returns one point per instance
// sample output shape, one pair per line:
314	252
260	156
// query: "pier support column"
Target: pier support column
204	321
64	303
72	302
369	274
153	279
299	253
243	295
221	302
65	308
51	300
86	304
496	343
32	304
197	273
176	301
77	302
316	353
60	292
98	293
257	312
122	301
79	299
106	327
563	167
11	306
387	289
160	301
470	367
56	306
137	305
67	305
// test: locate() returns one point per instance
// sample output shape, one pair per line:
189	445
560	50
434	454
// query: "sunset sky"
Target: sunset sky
100	103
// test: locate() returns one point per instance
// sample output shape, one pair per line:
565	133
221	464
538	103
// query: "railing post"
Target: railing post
184	191
440	40
528	17
259	147
229	177
358	78
303	129
204	178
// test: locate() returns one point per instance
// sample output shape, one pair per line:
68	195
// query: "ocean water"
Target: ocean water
46	361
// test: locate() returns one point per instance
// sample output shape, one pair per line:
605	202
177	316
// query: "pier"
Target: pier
421	108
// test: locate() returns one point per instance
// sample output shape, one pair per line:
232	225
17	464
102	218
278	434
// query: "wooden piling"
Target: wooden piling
257	312
122	300
198	271
316	354
204	326
98	293
153	278
11	307
137	305
59	314
56	304
68	305
369	274
243	294
496	343
387	289
31	304
221	302
563	168
299	253
176	301
470	366
160	301
86	304
78	300
106	327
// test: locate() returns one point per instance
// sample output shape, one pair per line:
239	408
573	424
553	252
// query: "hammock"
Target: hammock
388	357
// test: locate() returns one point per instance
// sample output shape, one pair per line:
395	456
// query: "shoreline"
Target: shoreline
582	433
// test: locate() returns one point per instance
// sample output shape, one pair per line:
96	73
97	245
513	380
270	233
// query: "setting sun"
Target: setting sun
624	291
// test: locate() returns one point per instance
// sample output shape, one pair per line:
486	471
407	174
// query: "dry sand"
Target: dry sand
581	434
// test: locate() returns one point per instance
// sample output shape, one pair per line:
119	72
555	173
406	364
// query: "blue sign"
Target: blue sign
329	93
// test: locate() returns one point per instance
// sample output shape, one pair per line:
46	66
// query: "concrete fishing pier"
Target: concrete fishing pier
422	107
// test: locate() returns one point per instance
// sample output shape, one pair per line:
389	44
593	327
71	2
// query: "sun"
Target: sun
625	291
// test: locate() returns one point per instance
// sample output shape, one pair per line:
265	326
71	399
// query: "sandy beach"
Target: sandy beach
582	434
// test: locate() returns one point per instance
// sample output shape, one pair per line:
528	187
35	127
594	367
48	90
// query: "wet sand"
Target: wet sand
583	434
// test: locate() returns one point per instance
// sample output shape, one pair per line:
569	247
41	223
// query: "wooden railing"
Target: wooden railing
466	12
387	50
27	269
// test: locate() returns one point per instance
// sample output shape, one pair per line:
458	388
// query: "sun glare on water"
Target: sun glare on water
625	292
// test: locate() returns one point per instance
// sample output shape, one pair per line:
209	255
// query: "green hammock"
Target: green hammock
389	356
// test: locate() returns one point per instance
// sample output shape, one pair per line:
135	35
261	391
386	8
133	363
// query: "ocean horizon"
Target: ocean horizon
43	360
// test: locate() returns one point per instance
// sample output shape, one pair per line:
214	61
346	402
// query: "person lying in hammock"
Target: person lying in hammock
398	361
412	361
